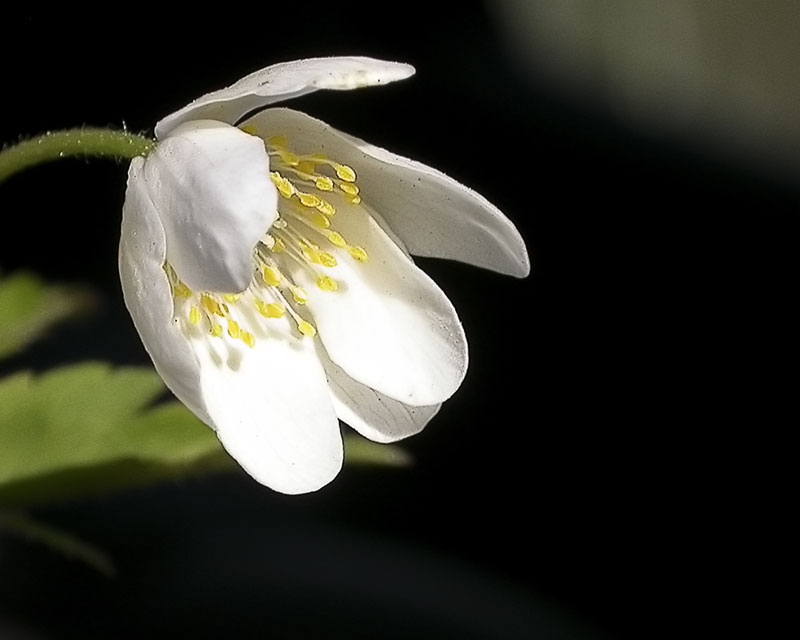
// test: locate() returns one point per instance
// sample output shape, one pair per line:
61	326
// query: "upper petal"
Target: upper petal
148	297
284	81
434	215
209	183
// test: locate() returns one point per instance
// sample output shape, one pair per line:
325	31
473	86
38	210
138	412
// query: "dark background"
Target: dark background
570	488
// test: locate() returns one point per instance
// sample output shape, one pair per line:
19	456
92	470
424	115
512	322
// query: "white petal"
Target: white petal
374	415
389	326
272	408
433	215
148	297
210	184
285	81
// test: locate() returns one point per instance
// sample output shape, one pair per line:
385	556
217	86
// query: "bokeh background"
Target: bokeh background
573	488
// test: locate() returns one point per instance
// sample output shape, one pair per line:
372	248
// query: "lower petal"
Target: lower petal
374	415
388	325
272	409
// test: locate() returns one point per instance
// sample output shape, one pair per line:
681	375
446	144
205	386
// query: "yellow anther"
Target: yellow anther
278	247
232	297
271	275
349	188
354	200
325	207
323	183
310	253
344	172
181	290
318	219
305	166
327	284
289	158
194	315
308	199
216	329
285	188
306	328
277	141
248	339
326	259
271	310
211	305
249	128
358	253
299	294
336	239
233	329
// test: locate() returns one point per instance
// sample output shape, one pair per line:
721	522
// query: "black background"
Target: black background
574	478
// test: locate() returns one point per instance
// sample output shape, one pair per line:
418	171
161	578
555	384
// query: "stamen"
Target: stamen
211	305
349	188
278	246
326	283
344	172
306	328
270	310
299	294
358	253
271	276
181	290
336	239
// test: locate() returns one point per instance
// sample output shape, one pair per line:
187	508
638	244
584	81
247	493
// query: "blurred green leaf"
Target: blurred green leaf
359	450
91	428
28	308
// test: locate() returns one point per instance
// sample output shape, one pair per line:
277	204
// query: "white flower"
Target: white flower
273	286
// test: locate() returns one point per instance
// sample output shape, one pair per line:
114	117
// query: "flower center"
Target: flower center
303	236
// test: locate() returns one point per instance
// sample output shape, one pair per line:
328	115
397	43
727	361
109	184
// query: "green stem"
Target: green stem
70	143
65	543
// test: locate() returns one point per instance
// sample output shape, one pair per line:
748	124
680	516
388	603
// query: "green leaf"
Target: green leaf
90	428
360	451
29	308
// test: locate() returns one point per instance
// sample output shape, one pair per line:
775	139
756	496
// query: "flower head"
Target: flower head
266	263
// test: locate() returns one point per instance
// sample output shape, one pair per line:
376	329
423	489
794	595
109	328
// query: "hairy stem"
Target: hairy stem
70	143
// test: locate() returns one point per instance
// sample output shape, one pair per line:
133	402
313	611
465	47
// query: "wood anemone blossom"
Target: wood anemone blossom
266	263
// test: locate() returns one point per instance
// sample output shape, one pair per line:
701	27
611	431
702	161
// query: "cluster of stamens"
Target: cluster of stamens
302	235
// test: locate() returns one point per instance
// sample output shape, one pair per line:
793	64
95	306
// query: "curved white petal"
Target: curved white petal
285	81
374	415
434	215
147	294
272	408
210	185
388	326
